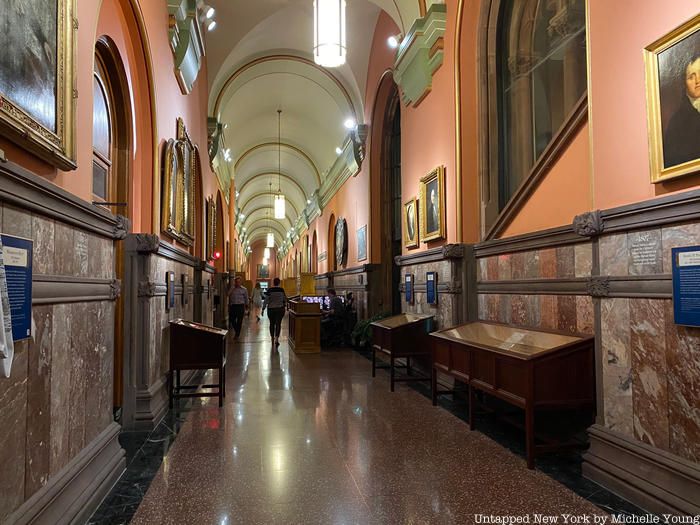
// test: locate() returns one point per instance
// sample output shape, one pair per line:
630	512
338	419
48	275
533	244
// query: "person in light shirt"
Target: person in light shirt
238	302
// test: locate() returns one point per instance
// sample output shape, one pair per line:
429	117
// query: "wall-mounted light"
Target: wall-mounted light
211	26
350	123
338	151
393	41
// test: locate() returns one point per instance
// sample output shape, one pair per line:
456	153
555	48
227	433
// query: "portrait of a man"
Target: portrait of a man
673	98
432	199
410	232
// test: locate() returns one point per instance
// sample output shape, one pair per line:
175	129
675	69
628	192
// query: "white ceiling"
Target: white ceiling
259	59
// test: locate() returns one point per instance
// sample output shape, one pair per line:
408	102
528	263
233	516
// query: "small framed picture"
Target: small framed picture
410	223
672	66
432	205
362	243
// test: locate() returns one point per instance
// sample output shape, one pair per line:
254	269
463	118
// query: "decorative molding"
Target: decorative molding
557	146
365	268
145	242
655	286
598	286
447	251
359	143
573	286
152	289
75	492
420	55
588	224
60	289
670	209
654	479
21	188
549	238
121	228
186	42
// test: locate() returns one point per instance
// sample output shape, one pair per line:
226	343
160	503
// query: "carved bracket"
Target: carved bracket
588	224
147	243
453	251
121	228
598	286
359	143
147	289
115	289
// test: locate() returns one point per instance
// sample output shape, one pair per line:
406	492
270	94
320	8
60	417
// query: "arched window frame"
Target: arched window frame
103	160
495	214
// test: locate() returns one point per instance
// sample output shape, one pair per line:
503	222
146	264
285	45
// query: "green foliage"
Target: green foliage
362	333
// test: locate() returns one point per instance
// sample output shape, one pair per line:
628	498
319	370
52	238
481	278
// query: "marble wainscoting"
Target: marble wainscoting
148	329
454	264
58	442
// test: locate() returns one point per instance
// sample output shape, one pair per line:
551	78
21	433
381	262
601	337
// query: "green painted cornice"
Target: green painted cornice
186	42
420	55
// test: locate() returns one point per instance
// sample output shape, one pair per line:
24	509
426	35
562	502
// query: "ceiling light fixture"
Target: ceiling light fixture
270	236
280	205
329	33
211	26
266	253
210	12
338	151
350	123
394	41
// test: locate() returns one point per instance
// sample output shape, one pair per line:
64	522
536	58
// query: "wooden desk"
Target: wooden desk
532	370
195	346
402	336
304	326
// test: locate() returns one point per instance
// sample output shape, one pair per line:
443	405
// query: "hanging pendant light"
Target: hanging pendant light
329	33
280	204
266	253
270	236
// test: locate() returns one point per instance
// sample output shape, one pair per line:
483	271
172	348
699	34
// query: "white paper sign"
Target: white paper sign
7	345
689	259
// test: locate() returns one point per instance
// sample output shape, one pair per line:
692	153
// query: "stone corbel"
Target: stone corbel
186	42
598	286
121	228
115	289
420	55
214	136
147	289
359	143
453	251
588	224
147	242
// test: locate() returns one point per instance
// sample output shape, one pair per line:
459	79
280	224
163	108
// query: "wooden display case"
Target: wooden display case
402	336
304	326
532	370
195	346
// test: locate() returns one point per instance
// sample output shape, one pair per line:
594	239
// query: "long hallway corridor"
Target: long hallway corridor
314	439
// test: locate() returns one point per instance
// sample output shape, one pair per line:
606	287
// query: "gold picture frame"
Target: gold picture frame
670	114
177	203
22	125
432	205
410	223
211	228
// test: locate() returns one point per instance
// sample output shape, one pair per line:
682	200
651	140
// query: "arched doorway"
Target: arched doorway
111	168
314	253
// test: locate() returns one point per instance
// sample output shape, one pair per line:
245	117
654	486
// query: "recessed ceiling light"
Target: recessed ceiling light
393	42
350	123
308	201
210	12
338	151
211	26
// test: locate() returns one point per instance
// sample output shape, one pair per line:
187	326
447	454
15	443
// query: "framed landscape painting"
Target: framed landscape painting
673	102
36	78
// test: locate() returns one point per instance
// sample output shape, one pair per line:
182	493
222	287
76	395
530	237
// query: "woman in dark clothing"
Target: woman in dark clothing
275	303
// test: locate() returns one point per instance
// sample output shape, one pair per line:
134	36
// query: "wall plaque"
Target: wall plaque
686	285
431	287
409	288
645	252
17	259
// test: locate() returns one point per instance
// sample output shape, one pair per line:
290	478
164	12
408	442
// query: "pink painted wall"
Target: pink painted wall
117	19
618	98
256	258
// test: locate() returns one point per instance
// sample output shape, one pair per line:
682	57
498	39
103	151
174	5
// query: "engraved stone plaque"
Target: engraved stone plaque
645	255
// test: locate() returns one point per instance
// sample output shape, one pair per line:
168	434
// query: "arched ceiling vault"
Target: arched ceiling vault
265	198
262	212
259	60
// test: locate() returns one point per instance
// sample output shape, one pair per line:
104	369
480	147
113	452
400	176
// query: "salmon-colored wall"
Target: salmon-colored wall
617	97
256	258
563	194
118	19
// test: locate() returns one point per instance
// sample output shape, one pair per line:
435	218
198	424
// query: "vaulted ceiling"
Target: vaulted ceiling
260	60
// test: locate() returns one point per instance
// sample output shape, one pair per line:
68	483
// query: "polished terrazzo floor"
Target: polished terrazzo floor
314	439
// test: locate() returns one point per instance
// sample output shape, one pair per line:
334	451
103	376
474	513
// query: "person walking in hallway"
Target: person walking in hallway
275	303
257	300
238	304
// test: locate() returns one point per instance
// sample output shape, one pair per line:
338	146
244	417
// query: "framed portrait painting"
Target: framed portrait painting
432	205
263	271
410	223
673	102
362	244
37	109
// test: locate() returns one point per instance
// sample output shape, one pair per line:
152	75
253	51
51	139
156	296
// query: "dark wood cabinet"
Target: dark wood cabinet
195	346
305	326
402	336
532	370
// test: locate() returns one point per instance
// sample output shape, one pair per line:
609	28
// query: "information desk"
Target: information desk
305	325
402	336
195	346
529	369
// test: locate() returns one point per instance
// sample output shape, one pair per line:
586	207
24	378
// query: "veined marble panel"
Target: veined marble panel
584	314
676	236
61	372
566	264
613	255
548	263
583	260
505	271
43	253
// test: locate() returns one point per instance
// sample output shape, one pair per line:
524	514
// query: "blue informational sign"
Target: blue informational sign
686	285
409	288
431	287
17	258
